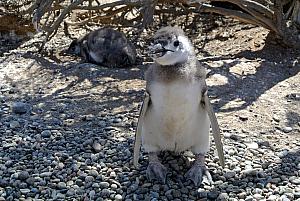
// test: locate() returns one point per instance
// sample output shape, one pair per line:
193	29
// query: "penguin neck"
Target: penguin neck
178	71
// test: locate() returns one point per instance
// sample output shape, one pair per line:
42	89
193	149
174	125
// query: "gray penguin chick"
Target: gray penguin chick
176	114
104	46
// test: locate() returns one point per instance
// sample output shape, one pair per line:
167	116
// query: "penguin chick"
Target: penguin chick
106	47
176	114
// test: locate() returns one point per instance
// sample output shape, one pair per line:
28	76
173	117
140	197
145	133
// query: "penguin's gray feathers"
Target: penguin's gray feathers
106	47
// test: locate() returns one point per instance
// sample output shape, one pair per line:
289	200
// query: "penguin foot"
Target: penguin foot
156	171
198	174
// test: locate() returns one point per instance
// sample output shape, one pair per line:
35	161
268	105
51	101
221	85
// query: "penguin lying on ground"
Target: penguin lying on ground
106	47
176	114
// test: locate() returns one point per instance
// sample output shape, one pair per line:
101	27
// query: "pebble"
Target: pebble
89	179
93	173
61	185
275	180
287	129
212	195
118	197
250	172
272	197
202	193
243	117
71	192
252	145
96	147
60	196
25	191
19	108
23	175
223	197
46	134
46	174
105	192
297	195
249	198
284	198
14	124
229	174
104	184
295	181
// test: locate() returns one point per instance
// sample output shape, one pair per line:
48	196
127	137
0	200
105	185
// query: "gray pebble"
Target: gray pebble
249	198
25	191
242	195
105	192
92	194
61	185
118	197
297	195
276	118
202	193
284	198
14	124
229	174
19	108
223	197
46	174
104	184
114	186
23	175
117	120
275	180
176	193
60	196
212	194
231	152
71	192
250	172
287	129
46	134
93	173
295	180
272	197
97	147
89	179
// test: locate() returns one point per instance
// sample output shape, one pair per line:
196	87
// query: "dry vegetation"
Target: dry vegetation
282	18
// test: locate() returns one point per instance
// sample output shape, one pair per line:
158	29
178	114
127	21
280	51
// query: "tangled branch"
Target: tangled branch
48	15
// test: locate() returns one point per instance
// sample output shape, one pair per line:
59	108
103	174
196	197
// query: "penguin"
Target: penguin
176	113
106	47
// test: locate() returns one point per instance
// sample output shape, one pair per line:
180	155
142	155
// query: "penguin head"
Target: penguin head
74	48
170	46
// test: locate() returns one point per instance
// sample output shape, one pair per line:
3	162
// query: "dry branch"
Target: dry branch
138	13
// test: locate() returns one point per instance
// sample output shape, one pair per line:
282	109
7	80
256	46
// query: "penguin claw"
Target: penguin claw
196	175
156	171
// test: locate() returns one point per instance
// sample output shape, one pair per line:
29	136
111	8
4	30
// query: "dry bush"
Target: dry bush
281	17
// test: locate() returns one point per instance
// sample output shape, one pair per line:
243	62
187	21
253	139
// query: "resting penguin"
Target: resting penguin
106	47
176	114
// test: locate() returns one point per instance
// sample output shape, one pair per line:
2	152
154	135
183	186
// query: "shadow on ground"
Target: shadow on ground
248	88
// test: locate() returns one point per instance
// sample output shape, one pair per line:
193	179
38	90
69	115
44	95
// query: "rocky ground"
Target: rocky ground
67	128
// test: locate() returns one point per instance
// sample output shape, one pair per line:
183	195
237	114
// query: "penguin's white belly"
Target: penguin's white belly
175	120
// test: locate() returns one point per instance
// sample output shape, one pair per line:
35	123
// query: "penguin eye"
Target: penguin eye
176	43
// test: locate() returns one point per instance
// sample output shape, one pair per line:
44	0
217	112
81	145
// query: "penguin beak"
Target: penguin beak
157	50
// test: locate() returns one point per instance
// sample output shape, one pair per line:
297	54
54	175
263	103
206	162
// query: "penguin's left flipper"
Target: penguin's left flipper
215	127
138	133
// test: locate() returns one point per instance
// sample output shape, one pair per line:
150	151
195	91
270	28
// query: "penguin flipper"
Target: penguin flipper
138	133
215	128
